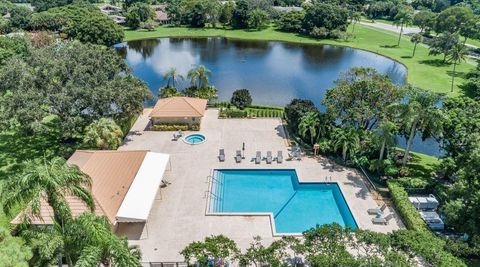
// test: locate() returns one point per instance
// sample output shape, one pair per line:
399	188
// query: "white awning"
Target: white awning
140	196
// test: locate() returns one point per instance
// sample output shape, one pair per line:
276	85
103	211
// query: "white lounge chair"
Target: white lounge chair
377	210
382	220
258	157
279	157
269	157
238	156
221	155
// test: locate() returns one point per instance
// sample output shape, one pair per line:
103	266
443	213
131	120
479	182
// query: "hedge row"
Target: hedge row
409	213
250	113
421	240
175	127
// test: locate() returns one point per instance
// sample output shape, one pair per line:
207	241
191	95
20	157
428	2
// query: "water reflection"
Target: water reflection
274	72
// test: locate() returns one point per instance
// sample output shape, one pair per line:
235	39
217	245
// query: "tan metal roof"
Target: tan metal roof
112	173
179	106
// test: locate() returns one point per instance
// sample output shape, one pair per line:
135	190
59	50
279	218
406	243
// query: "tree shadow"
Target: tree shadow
389	46
406	57
457	74
434	62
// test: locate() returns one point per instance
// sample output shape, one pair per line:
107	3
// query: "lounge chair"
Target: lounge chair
238	156
279	157
176	136
377	210
258	157
269	158
221	155
382	220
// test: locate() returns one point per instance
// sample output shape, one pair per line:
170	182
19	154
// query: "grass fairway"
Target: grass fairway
424	71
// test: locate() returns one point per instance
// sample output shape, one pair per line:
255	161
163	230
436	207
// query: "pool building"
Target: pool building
178	110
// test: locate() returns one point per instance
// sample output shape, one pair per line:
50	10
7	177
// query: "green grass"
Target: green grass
424	71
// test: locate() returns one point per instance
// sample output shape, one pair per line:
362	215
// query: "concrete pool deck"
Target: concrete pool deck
178	216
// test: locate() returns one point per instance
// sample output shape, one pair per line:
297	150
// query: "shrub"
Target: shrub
409	213
175	127
319	33
234	113
241	98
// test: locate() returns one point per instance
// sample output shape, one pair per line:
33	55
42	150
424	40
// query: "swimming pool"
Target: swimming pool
294	207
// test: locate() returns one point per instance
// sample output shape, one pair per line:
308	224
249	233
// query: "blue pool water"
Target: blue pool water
194	139
295	206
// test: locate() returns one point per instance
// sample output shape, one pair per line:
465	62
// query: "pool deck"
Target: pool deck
178	216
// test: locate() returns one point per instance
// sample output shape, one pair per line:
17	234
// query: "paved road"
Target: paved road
392	28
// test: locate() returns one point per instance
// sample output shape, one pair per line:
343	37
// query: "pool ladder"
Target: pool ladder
212	180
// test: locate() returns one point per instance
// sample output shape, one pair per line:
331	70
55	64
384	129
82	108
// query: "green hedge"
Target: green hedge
175	127
409	213
421	240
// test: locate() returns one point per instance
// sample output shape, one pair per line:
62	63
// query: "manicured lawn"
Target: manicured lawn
424	71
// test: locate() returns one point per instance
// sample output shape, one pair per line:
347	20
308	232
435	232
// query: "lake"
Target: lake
273	72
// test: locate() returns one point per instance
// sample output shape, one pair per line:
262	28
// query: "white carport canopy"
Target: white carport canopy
140	196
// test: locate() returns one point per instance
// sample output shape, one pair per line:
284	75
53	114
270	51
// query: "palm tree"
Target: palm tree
347	139
403	18
385	134
354	19
103	134
457	54
200	74
172	76
416	39
308	124
420	113
48	180
84	241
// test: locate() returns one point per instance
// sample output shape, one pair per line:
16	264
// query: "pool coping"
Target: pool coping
269	214
186	142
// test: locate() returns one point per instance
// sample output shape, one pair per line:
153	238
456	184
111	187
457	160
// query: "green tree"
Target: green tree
172	76
385	134
138	13
59	80
403	18
354	19
103	134
425	20
472	86
83	241
309	123
420	114
49	180
259	255
241	98
443	44
291	21
295	110
257	19
457	55
361	97
13	251
416	39
42	5
328	16
346	139
240	14
20	17
168	91
226	12
219	248
13	46
199	74
453	19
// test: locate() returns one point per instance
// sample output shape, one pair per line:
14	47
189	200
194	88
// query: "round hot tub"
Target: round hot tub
194	139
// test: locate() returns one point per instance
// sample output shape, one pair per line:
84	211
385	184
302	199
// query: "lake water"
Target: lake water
273	72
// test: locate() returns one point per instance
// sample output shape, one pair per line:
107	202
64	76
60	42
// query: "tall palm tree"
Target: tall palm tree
200	74
403	18
420	114
308	124
354	19
84	241
172	76
416	39
347	139
457	54
385	135
50	180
